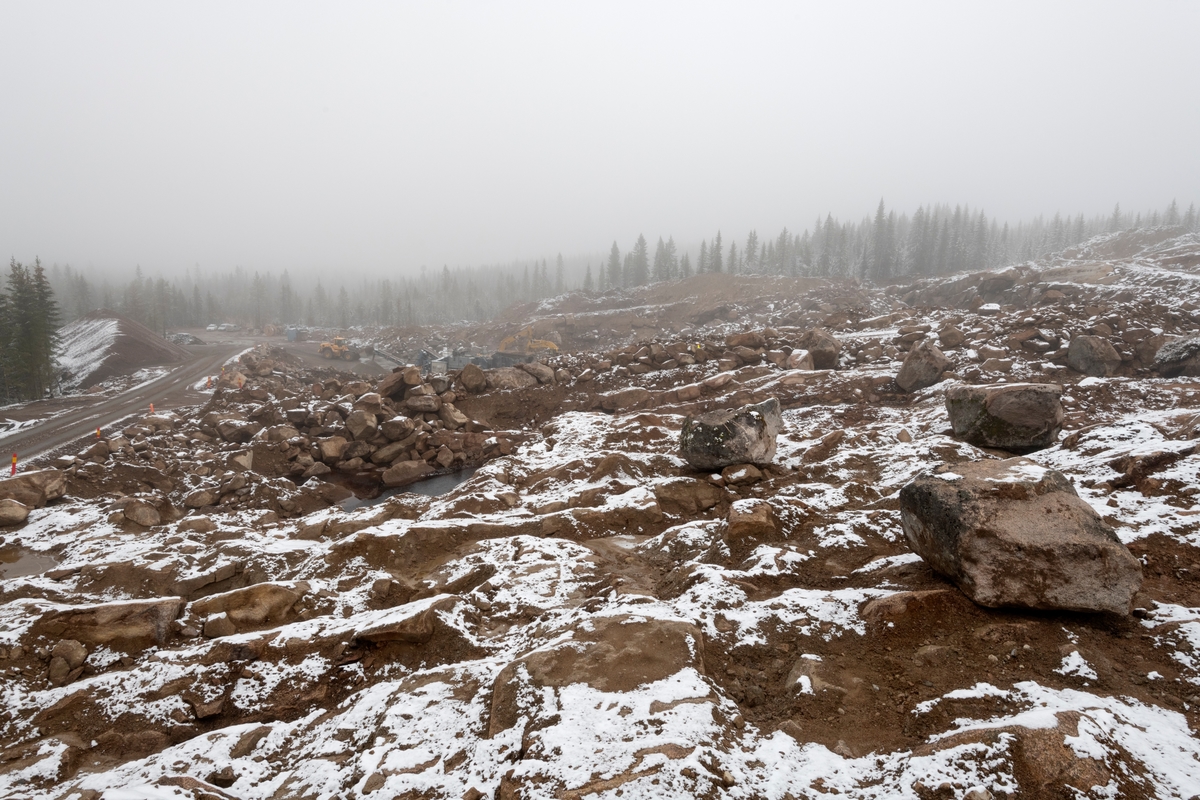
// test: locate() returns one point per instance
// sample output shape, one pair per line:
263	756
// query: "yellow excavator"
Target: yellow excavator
339	348
521	346
522	343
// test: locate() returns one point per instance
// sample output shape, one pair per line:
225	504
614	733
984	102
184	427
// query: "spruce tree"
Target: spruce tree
45	334
661	270
640	262
714	255
614	267
750	255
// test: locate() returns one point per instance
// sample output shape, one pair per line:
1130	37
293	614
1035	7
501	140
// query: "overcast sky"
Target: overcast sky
386	136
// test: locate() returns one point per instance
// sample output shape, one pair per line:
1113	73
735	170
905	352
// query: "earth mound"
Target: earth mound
103	344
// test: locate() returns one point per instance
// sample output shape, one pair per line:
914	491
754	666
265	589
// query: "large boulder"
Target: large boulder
397	428
752	339
1018	417
1013	534
362	424
34	489
405	472
922	367
424	403
254	605
538	370
473	379
331	448
823	347
392	385
1180	357
12	512
509	378
1093	356
625	399
142	513
238	431
722	438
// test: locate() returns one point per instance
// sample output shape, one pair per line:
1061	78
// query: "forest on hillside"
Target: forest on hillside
880	248
29	320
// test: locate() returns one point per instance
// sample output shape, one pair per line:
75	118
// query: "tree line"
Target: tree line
29	321
883	247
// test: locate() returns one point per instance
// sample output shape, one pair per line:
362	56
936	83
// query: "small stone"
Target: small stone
219	625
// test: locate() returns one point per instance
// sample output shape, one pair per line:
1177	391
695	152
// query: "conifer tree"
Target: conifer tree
614	267
661	269
639	263
750	256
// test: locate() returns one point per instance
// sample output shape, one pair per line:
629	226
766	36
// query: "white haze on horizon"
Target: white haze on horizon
381	137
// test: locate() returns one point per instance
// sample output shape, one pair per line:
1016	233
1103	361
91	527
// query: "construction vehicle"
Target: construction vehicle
521	346
339	348
522	343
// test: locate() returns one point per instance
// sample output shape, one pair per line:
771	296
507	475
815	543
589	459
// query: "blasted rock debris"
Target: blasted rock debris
1012	533
587	614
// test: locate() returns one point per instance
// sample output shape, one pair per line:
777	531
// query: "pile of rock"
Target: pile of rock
256	446
783	348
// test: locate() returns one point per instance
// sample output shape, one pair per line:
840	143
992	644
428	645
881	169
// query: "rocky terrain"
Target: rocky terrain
240	600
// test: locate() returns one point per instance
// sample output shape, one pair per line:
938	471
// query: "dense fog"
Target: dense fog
367	143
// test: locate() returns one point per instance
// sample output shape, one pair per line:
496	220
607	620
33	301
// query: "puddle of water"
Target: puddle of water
430	487
17	562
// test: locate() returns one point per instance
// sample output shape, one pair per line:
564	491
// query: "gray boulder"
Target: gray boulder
1093	356
1018	417
142	513
1179	358
722	438
1013	534
822	345
922	367
509	378
538	370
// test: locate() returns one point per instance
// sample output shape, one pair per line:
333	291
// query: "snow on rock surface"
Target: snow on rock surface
588	616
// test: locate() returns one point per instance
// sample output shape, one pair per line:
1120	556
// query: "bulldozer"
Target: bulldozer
339	348
521	346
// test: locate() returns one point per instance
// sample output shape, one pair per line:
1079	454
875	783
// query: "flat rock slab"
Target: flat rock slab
1018	417
132	624
1013	534
723	438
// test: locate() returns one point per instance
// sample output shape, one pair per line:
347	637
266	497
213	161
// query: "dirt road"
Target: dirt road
169	391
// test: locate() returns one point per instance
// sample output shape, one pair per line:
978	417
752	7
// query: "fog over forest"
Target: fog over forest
399	143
